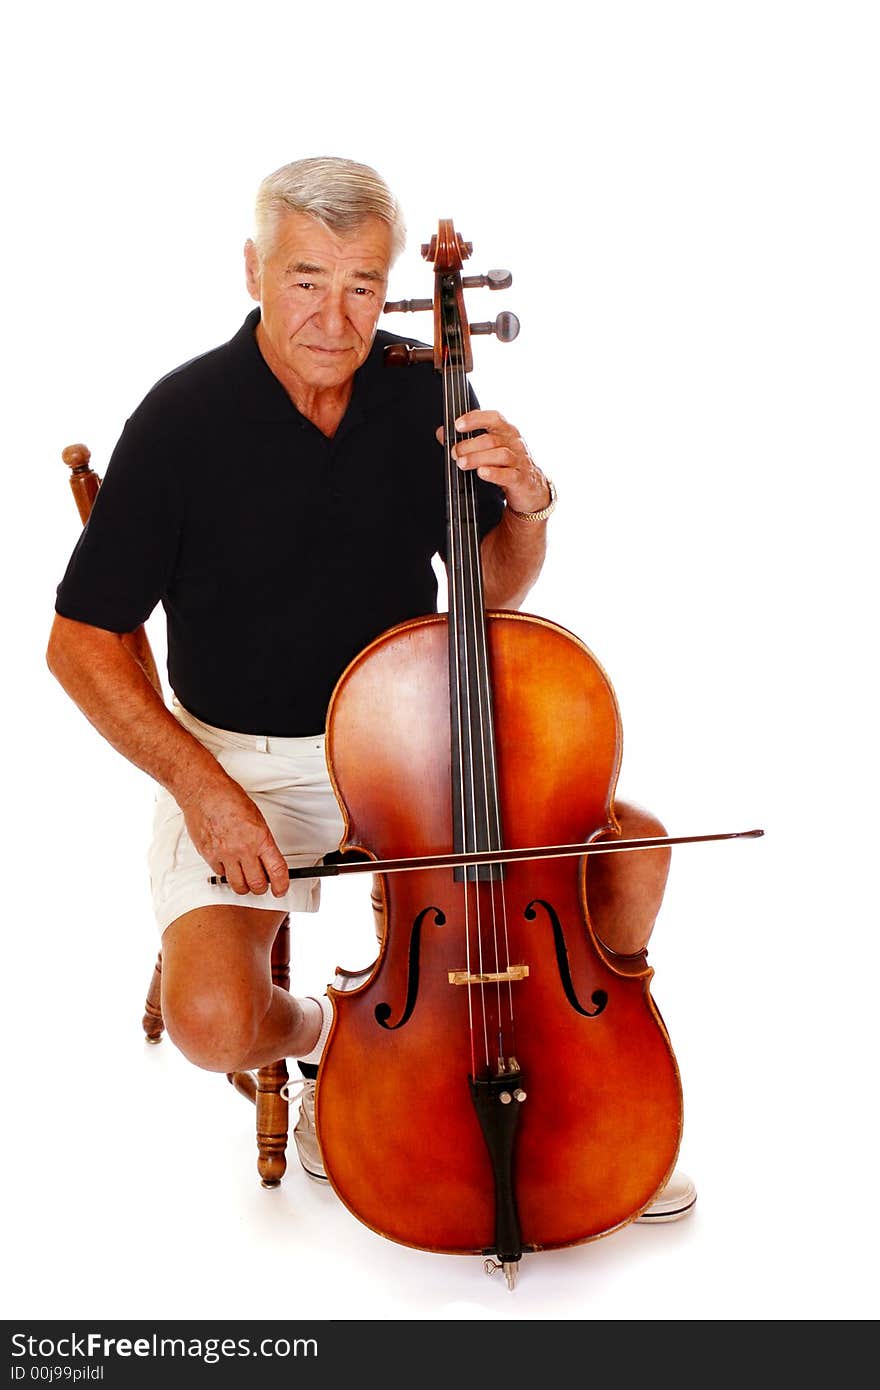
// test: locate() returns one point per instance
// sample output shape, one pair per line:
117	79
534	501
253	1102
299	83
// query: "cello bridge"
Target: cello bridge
492	977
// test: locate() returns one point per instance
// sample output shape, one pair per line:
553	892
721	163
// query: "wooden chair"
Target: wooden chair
264	1086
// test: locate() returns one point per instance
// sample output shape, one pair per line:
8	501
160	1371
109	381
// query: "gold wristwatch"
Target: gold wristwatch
543	514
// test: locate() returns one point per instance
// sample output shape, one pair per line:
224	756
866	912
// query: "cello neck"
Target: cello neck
475	798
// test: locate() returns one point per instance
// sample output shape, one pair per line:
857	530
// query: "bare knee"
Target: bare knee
214	1028
217	983
625	891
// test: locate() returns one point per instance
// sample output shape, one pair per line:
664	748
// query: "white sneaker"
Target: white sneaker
673	1201
305	1135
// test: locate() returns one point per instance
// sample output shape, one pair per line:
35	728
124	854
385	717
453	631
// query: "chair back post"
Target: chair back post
84	484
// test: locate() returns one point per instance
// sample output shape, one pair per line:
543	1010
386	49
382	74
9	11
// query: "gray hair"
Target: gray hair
338	193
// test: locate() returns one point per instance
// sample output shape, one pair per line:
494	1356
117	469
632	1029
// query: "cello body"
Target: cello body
597	1093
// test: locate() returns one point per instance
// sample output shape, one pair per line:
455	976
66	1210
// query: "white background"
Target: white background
687	196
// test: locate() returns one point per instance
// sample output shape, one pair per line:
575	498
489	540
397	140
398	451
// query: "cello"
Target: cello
517	1089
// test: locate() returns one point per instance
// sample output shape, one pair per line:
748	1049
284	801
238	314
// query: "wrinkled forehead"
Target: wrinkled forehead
304	242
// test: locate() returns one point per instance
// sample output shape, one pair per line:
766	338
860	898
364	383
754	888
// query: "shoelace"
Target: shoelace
287	1091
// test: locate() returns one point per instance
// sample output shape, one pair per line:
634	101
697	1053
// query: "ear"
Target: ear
253	274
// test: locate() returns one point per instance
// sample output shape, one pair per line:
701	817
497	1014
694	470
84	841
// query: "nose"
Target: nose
331	311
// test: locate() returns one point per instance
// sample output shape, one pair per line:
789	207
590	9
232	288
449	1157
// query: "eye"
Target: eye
362	290
305	284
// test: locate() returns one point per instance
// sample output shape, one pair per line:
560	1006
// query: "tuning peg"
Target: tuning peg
495	279
465	248
404	355
505	327
407	306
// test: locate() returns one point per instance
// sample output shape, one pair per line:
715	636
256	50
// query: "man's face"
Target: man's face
320	297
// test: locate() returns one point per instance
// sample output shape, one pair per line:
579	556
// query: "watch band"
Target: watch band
543	514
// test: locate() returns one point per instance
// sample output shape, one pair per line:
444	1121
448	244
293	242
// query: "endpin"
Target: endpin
510	1268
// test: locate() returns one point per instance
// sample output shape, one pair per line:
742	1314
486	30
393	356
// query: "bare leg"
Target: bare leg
624	891
220	1006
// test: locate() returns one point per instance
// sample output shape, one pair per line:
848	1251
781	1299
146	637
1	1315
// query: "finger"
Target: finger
255	875
234	877
277	869
483	459
493	439
502	477
483	420
461	428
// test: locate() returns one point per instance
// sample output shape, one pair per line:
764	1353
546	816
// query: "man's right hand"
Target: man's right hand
231	834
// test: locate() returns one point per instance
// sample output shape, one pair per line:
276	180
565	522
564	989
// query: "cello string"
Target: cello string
490	764
487	731
457	678
481	719
481	710
469	615
464	571
472	725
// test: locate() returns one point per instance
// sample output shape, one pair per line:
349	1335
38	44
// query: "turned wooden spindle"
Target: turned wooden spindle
84	481
264	1086
84	484
154	1024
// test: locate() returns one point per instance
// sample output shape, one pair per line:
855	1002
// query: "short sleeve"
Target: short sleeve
123	561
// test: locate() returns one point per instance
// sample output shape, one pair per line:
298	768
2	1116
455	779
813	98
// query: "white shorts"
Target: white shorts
288	780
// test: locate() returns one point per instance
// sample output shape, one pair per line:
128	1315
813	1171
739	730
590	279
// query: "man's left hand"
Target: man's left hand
500	455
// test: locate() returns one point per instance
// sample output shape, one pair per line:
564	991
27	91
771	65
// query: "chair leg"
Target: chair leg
272	1123
272	1108
154	1025
264	1086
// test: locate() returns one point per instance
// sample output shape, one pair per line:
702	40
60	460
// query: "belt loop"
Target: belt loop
262	744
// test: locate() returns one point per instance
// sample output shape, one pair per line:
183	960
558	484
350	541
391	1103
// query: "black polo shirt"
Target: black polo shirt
277	554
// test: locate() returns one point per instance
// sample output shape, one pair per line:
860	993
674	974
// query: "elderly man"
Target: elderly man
280	496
